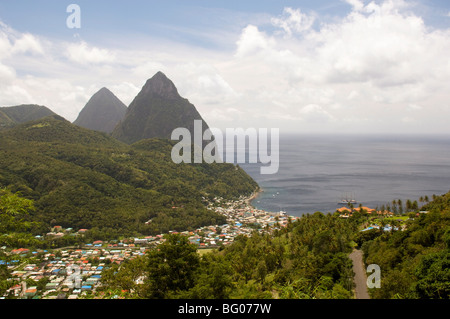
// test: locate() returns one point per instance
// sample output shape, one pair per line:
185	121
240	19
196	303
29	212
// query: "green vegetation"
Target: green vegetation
55	173
80	178
13	208
308	259
415	263
11	116
15	229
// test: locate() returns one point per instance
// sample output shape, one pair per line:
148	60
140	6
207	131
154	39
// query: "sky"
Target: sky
327	66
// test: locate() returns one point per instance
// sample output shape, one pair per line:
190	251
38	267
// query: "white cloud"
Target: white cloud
356	4
27	43
13	42
15	95
203	84
414	107
125	91
143	70
314	113
408	119
252	41
380	60
16	45
380	65
82	53
7	74
293	21
222	114
385	49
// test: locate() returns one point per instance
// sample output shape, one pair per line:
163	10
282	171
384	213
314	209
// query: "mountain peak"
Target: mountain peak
160	86
156	111
104	90
102	112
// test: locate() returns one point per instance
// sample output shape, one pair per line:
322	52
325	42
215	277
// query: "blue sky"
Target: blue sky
327	65
167	19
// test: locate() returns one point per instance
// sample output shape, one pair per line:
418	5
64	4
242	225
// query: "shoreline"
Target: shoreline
253	196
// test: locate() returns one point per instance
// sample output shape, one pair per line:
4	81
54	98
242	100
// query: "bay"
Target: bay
316	171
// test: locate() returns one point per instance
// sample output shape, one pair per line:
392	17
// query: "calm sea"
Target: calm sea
316	172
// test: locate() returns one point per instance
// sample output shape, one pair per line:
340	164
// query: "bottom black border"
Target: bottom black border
224	309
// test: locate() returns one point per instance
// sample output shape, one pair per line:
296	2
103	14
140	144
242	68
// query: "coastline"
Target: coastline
253	196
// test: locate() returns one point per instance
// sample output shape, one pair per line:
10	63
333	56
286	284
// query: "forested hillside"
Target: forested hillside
415	262
80	178
307	259
13	115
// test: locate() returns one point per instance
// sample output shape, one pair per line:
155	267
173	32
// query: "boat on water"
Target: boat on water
348	200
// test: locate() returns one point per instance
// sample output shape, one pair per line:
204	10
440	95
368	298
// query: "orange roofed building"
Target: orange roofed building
347	212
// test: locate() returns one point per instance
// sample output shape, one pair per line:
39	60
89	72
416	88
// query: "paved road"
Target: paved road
360	275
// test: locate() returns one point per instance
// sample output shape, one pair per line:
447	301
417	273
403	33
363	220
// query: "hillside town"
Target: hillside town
74	272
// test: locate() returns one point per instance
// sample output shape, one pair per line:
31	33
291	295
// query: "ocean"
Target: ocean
317	171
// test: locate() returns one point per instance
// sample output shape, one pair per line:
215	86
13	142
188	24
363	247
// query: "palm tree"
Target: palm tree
408	205
394	207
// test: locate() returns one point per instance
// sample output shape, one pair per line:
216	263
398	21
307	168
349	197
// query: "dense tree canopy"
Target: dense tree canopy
80	178
309	259
283	265
414	262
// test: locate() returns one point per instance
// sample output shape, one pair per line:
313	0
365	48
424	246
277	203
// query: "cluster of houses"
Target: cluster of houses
71	272
239	222
242	219
62	274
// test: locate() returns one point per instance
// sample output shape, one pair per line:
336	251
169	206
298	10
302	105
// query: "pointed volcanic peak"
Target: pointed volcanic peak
156	111
160	86
102	112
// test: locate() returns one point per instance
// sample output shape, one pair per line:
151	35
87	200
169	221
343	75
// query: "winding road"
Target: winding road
360	275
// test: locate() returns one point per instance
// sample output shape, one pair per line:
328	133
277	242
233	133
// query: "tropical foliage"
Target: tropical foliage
415	262
306	260
80	178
